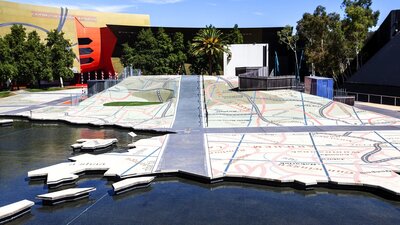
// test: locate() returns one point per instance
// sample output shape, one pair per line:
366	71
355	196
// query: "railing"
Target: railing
371	98
261	72
63	99
97	86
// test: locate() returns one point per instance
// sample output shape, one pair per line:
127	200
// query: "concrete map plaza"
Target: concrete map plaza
285	137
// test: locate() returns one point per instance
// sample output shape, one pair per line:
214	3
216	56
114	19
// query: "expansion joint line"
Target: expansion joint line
319	157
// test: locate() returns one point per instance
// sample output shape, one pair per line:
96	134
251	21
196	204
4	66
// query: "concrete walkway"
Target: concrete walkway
185	151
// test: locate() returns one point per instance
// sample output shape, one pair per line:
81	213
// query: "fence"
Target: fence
372	98
97	86
58	99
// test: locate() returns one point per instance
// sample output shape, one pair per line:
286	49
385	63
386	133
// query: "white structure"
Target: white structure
15	210
245	55
131	183
93	144
67	195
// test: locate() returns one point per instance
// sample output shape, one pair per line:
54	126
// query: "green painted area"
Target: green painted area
131	103
4	94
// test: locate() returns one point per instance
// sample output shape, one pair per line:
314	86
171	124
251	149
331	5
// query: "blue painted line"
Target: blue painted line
357	116
319	156
212	92
140	161
252	108
387	141
241	140
304	109
233	156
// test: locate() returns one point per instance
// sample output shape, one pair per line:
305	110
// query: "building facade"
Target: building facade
93	42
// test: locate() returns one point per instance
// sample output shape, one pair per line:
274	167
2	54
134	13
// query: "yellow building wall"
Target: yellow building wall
48	18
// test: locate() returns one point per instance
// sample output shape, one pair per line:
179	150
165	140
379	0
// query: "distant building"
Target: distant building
379	62
97	37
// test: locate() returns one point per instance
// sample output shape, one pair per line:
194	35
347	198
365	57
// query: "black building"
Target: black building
379	61
128	34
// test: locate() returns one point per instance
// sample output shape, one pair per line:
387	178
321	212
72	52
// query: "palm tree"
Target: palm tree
209	42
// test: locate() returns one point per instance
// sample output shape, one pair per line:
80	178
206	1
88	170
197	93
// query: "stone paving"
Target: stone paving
283	136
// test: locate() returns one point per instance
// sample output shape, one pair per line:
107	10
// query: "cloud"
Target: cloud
258	13
83	6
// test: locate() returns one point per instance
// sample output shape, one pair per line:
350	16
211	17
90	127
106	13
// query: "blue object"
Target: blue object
319	86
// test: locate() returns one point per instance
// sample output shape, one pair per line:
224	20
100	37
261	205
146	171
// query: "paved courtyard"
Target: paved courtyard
281	136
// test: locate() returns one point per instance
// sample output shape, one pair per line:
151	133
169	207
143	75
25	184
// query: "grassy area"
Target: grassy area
130	103
44	89
4	94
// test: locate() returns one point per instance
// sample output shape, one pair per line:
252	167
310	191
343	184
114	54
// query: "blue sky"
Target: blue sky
220	13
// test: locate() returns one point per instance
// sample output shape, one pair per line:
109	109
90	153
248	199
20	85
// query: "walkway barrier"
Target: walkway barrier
371	98
60	99
97	86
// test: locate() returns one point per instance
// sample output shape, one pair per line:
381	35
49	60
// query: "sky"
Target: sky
220	13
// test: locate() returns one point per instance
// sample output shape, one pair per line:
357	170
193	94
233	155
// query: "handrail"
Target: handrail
357	94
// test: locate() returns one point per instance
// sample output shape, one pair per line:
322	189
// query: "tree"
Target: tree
178	57
325	44
143	53
36	59
163	53
286	37
359	18
61	54
15	41
235	36
7	69
209	42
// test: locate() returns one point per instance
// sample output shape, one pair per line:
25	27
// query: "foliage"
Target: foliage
235	36
332	41
24	58
286	37
7	68
209	43
178	56
163	53
158	54
15	41
359	17
61	55
36	59
131	103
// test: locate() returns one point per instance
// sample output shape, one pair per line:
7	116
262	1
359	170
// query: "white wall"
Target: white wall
244	55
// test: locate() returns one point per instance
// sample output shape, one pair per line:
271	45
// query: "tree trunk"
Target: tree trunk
297	66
